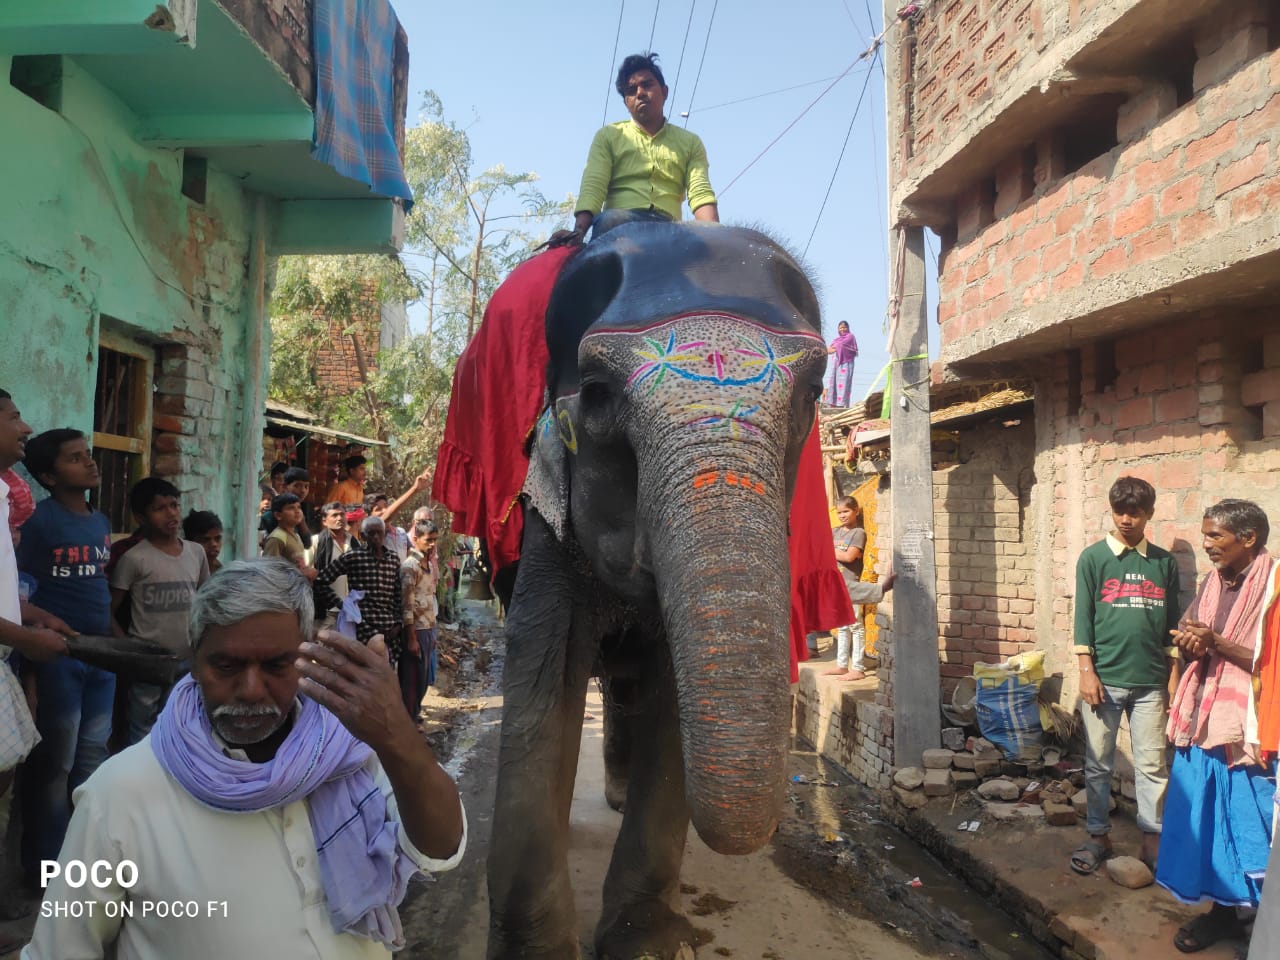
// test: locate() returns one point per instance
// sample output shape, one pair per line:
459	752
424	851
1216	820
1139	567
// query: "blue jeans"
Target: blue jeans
146	700
73	715
1145	707
606	220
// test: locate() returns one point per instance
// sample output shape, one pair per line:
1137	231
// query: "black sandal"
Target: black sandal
1206	930
1089	856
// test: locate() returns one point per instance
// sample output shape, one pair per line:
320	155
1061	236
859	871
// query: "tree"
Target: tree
461	242
452	221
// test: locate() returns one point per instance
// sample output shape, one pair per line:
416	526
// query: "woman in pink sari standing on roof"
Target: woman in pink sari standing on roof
839	392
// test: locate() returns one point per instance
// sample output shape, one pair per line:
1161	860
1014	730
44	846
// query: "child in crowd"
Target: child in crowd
298	482
1126	608
419	575
284	541
850	541
157	578
204	527
65	546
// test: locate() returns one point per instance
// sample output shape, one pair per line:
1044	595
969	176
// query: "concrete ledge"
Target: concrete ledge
843	722
1023	868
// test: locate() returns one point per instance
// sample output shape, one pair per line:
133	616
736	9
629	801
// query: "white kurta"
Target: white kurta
254	878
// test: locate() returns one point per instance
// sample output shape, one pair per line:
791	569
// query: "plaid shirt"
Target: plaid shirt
379	578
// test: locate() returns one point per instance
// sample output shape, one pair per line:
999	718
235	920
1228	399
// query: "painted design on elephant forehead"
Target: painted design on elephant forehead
733	419
753	361
710	478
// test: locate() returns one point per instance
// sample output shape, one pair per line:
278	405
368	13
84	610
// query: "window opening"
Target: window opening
122	413
40	78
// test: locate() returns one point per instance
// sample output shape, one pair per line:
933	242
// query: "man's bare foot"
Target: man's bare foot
835	671
854	675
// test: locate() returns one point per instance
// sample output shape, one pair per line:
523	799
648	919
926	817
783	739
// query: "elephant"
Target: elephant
685	365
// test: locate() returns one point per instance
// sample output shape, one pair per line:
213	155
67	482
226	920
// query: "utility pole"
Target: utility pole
916	698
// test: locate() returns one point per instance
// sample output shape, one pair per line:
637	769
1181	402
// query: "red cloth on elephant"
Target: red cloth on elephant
498	388
819	598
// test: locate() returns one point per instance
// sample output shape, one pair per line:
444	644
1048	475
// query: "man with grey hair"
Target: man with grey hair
373	581
277	809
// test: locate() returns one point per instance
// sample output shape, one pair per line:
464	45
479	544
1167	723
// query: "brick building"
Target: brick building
1102	175
375	326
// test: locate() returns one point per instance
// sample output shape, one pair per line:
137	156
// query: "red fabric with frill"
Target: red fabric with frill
498	388
819	598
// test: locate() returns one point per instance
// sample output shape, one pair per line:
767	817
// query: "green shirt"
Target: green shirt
1126	604
629	170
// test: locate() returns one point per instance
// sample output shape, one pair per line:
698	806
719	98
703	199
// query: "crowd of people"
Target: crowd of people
233	734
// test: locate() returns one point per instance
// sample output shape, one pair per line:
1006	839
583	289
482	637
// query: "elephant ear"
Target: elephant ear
547	485
582	294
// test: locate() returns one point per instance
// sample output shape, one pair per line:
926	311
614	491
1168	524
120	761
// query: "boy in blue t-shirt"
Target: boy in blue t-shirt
65	545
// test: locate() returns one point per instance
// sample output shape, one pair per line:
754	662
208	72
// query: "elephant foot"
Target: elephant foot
615	791
648	931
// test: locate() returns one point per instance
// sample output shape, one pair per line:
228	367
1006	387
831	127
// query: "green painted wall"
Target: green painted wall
94	233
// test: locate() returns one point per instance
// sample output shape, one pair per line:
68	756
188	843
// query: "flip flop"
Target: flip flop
1088	857
1206	930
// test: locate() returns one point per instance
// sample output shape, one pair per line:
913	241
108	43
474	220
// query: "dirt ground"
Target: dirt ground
748	906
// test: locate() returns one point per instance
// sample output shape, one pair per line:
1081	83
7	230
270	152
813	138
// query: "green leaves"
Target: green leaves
467	230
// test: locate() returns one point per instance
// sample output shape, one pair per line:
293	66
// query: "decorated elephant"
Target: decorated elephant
685	363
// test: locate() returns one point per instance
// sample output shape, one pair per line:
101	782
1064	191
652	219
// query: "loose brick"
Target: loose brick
1260	387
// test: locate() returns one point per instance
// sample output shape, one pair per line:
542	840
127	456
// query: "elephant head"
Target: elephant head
685	366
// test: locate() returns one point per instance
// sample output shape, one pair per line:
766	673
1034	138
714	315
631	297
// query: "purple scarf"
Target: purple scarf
364	872
846	346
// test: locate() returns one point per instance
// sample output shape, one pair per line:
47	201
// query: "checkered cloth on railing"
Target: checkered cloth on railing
354	44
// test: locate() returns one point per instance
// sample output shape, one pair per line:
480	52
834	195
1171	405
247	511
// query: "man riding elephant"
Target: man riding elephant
642	168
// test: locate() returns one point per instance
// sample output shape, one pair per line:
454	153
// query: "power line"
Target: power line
679	66
604	115
768	93
847	70
654	29
840	159
705	44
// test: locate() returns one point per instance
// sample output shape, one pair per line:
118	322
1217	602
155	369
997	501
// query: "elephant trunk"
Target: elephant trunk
719	547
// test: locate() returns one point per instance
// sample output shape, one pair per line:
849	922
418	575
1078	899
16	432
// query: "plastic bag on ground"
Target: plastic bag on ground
1007	704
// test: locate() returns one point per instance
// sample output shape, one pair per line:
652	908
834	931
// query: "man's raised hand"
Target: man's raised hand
357	685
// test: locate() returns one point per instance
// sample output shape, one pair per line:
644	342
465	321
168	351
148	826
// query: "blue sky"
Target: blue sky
532	81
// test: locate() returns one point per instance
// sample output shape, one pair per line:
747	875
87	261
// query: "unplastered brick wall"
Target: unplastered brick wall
1154	210
189	423
1191	406
985	567
964	50
337	370
985	556
847	727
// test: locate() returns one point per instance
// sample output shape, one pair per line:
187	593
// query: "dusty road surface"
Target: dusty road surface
748	907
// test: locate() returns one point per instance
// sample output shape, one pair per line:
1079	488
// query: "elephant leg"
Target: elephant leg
544	685
618	698
641	916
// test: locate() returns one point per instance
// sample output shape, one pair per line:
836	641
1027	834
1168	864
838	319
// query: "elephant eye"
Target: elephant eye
598	408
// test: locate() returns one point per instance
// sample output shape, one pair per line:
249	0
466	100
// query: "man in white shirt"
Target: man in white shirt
42	639
283	792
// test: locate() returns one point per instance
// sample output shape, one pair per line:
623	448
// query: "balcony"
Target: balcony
229	81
